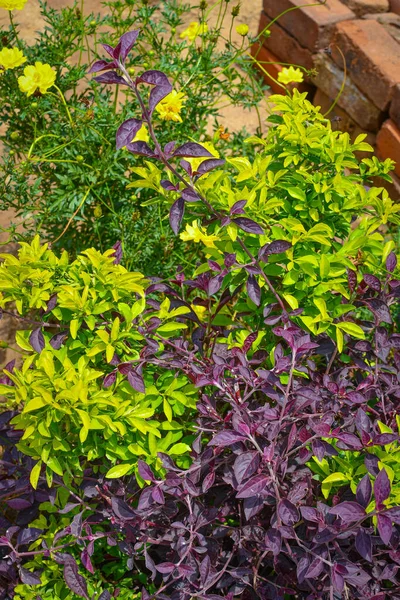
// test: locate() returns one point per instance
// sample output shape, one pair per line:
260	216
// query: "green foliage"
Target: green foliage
75	405
348	468
61	175
307	187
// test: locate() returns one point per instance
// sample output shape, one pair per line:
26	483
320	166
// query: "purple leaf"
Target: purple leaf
126	43
208	165
248	225
349	512
109	379
382	488
28	535
102	65
36	340
373	282
58	340
385	528
237	208
192	149
287	512
363	544
74	580
315	569
121	509
110	77
364	491
157	94
208	482
167	185
145	472
117	252
165	568
176	215
380	310
391	262
87	563
394	514
253	290
190	195
105	595
356	397
28	578
127	131
136	381
226	438
273	540
158	495
352	279
140	148
253	486
275	247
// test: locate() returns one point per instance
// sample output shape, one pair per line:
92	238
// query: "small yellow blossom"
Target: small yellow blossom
195	29
12	4
170	107
197	233
142	135
242	29
10	58
41	76
195	162
290	75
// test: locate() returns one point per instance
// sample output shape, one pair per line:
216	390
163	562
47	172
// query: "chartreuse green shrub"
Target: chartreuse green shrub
80	390
306	188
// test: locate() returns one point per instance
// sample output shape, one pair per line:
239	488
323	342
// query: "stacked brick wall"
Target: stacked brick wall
359	36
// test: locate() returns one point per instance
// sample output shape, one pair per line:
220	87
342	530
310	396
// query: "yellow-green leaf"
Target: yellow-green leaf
35	473
118	471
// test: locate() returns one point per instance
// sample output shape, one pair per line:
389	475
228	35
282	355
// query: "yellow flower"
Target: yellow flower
142	135
242	29
193	30
195	162
197	233
290	75
41	76
170	107
11	58
12	4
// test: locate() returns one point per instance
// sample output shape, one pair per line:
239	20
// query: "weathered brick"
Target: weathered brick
372	58
329	79
388	143
310	25
284	45
341	121
362	7
270	63
395	106
395	6
390	21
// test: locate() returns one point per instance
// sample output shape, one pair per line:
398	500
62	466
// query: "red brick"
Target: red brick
329	79
395	106
284	45
388	143
362	7
372	58
395	6
390	21
310	25
270	63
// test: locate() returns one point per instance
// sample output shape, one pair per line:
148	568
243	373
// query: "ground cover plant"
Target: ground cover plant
59	135
285	480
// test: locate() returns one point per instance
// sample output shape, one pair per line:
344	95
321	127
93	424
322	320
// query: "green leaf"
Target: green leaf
119	471
297	192
54	465
351	329
35	474
167	410
179	449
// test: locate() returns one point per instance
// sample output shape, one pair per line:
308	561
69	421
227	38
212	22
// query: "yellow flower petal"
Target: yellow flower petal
170	107
10	58
12	4
41	76
290	75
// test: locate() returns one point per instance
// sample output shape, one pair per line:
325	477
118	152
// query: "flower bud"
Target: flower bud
235	10
97	212
93	23
80	158
131	70
34	105
203	5
14	135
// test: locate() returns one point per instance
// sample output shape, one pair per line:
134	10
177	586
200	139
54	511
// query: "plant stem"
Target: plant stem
65	104
14	29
